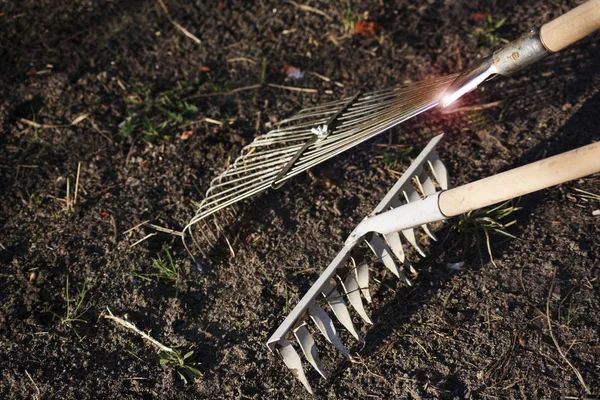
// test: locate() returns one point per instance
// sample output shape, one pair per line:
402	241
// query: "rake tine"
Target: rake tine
325	325
307	344
382	252
427	186
362	277
292	361
352	290
393	240
340	309
409	234
439	171
414	196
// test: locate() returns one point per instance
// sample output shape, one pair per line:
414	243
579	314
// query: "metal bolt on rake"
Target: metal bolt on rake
413	202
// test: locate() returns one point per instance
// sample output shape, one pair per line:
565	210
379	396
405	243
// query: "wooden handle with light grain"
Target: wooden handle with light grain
572	26
520	181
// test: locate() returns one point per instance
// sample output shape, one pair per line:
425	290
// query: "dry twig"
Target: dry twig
293	88
575	370
177	25
304	7
132	327
241	89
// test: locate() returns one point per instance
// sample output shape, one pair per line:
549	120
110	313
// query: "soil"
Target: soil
482	332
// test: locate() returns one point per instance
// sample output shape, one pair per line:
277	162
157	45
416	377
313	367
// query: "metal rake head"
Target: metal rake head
312	136
426	175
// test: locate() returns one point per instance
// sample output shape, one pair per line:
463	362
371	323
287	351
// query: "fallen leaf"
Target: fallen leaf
478	16
186	135
367	28
292	72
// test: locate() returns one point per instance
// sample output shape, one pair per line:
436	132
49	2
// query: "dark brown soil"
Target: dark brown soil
479	333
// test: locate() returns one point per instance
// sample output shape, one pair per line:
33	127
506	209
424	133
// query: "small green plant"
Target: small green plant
350	17
183	365
390	159
487	221
487	34
164	268
74	306
153	116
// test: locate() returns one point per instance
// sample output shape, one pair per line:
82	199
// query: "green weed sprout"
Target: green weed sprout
487	221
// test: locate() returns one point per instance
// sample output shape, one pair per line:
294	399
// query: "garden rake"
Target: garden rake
319	133
420	197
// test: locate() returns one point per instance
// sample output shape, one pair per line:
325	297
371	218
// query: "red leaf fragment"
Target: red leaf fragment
204	68
367	28
186	135
479	16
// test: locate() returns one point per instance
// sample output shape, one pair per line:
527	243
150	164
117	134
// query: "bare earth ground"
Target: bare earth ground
480	333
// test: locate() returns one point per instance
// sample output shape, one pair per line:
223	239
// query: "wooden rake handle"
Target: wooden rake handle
572	26
517	182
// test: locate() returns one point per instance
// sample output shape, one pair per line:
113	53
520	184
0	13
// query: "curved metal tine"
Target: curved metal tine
414	196
393	240
390	111
427	186
387	259
205	211
208	230
309	348
439	171
382	252
352	289
278	135
293	362
265	166
325	325
258	156
353	137
362	277
340	309
368	104
330	104
409	234
394	103
319	108
234	192
349	133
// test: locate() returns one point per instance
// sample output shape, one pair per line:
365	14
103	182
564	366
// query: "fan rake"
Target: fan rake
312	136
319	133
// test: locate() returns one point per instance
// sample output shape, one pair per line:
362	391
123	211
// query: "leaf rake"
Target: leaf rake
316	134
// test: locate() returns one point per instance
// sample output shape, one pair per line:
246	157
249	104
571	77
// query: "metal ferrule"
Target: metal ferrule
511	58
